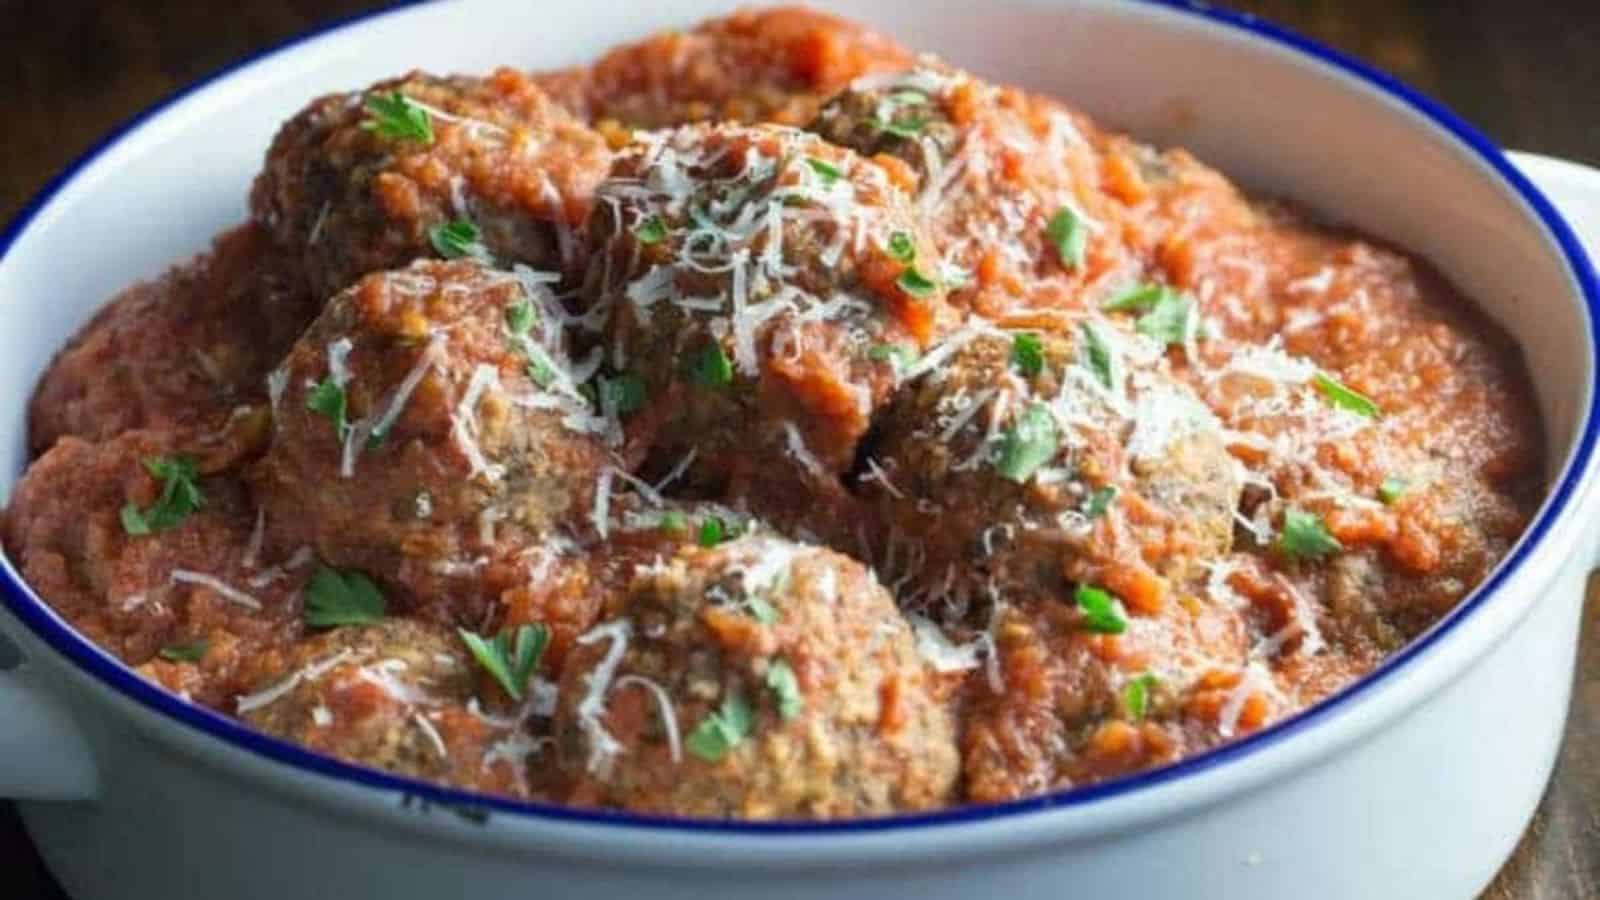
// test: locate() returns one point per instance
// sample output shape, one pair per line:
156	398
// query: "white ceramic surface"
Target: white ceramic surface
1414	785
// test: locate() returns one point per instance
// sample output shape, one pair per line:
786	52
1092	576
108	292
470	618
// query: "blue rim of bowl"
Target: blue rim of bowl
55	632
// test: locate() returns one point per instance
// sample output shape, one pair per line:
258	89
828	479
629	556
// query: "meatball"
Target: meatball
1025	459
394	695
429	426
147	544
761	286
769	65
756	679
367	181
184	350
1011	182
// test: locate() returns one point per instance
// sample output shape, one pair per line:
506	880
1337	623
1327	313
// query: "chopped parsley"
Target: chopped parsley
1392	488
900	128
1344	398
1100	355
785	689
713	532
520	317
674	521
1099	500
540	373
651	231
723	730
901	247
1027	354
510	657
459	239
899	356
1102	613
625	393
916	284
710	368
1138	298
828	172
1069	236
327	399
1028	443
1305	536
192	652
180	496
342	598
1169	317
1136	696
398	117
760	609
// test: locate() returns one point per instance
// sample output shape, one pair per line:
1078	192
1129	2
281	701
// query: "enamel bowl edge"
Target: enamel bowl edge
1416	783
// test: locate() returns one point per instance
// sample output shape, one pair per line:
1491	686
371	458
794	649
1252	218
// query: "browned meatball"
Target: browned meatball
394	695
430	430
1027	460
360	182
164	572
756	679
183	350
759	65
760	285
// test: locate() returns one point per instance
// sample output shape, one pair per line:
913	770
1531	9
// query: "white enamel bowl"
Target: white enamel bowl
1413	784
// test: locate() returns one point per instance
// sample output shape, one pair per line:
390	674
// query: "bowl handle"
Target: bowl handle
44	755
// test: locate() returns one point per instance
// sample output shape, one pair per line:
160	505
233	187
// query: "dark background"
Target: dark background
1528	73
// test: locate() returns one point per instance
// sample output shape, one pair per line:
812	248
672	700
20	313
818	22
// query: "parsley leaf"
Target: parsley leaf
1100	354
520	317
1169	317
342	598
1305	536
785	689
1027	354
1069	236
1102	613
510	657
760	609
625	392
901	247
826	170
1342	397
712	532
540	373
1139	298
1099	500
1136	695
459	239
900	128
916	284
328	399
1028	443
180	496
398	117
710	368
192	652
718	733
674	521
651	231
897	355
1392	488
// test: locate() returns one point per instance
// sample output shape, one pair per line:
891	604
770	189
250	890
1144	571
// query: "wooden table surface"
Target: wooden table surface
1528	73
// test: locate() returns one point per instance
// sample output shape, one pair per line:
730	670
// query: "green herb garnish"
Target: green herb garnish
1099	500
674	521
712	532
710	368
192	652
1305	536
824	169
1139	298
1169	316
342	598
398	117
907	129
1136	696
540	373
1027	354
721	731
897	355
327	399
785	689
901	247
1392	488
1029	443
1101	355
180	496
651	231
625	392
1069	236
459	240
520	317
509	657
916	284
1342	397
1102	613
